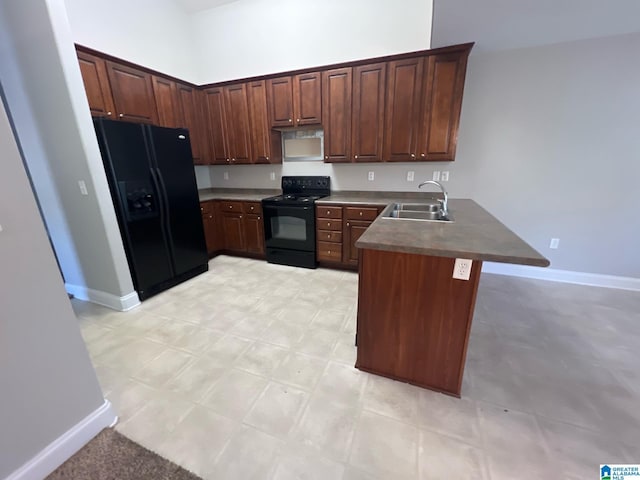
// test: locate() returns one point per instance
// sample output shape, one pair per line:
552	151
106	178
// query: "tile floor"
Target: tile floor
246	372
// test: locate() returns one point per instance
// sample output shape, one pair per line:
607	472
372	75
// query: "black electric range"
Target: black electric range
290	221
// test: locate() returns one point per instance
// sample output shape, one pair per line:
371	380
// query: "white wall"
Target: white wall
257	37
45	96
47	382
153	33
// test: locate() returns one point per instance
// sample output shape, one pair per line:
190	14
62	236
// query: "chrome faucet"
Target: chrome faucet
444	210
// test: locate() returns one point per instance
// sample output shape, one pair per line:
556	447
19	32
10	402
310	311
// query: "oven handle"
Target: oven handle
284	209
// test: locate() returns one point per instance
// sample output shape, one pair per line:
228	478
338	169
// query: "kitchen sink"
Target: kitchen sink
428	212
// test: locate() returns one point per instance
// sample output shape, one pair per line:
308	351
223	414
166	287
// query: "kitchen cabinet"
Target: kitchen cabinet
295	101
367	119
266	144
336	114
167	102
402	110
211	228
96	85
236	116
329	234
132	91
216	122
192	118
442	103
243	227
356	221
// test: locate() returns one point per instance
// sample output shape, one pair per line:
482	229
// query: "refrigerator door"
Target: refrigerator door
137	202
176	177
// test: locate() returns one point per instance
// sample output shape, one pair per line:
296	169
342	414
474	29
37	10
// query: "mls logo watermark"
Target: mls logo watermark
619	472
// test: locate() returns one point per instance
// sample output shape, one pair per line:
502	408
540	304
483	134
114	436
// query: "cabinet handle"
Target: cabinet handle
290	120
347	224
109	114
210	216
258	218
121	115
240	216
360	213
328	224
251	208
230	206
233	159
329	252
267	158
422	155
297	120
413	155
355	156
228	160
328	212
326	157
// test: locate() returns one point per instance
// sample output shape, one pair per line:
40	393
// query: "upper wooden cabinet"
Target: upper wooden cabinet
217	128
367	126
266	146
167	102
132	93
295	101
402	113
444	85
96	84
336	114
237	123
192	118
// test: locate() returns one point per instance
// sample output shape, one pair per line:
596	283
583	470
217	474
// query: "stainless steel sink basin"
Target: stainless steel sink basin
427	212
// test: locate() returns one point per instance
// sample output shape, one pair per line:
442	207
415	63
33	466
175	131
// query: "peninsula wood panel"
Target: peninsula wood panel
402	110
367	125
336	114
414	318
96	85
132	94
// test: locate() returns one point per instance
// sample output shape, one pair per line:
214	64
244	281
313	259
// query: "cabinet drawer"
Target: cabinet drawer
328	224
329	236
253	207
365	213
206	208
227	206
331	252
328	212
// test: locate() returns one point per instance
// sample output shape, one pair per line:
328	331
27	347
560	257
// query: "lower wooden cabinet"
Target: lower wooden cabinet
211	226
242	227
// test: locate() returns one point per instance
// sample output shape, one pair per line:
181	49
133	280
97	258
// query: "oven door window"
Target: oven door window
290	227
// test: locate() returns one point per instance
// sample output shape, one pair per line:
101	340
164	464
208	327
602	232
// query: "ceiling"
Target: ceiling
506	24
193	6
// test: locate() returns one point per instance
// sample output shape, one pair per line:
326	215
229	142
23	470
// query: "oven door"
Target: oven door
290	227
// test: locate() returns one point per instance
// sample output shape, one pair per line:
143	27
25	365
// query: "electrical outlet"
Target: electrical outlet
436	176
410	176
462	268
226	175
445	176
554	243
83	187
371	176
272	176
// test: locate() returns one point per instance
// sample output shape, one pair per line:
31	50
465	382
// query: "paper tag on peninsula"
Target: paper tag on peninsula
620	472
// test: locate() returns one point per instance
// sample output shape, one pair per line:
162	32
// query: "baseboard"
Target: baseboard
122	304
65	446
565	276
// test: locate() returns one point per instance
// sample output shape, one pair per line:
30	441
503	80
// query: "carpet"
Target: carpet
112	456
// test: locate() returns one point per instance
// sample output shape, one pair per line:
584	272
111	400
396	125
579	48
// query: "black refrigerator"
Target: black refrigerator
153	186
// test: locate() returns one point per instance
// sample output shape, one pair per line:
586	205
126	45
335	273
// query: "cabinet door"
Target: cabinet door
132	94
265	143
280	101
96	85
237	123
444	84
353	230
336	114
367	127
402	112
307	99
192	118
167	102
254	233
233	232
217	128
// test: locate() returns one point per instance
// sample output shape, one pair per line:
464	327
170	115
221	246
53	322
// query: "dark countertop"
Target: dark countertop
474	234
246	194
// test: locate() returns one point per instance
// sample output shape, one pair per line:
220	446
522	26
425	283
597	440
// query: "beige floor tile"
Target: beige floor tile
454	417
317	342
226	350
331	320
234	394
197	340
345	350
293	467
392	398
130	356
197	441
248	456
196	379
169	331
300	370
283	334
166	365
130	397
385	447
326	427
355	474
343	383
261	358
440	455
277	409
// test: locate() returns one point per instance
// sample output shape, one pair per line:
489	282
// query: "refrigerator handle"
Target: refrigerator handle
164	193
164	207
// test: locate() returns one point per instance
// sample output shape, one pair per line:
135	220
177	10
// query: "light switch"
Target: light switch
272	175
436	176
410	176
226	175
445	176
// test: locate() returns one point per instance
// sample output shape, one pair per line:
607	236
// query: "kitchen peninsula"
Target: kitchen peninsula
414	316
